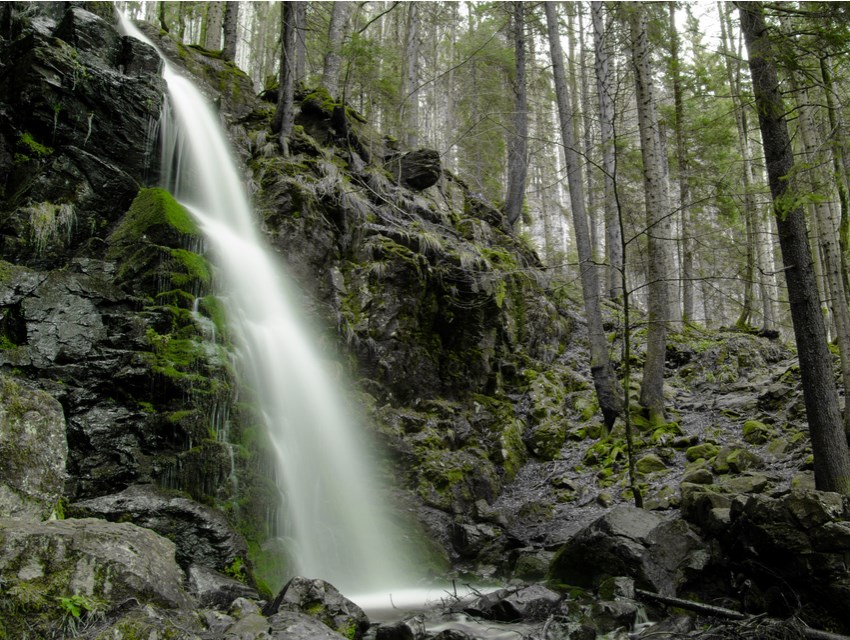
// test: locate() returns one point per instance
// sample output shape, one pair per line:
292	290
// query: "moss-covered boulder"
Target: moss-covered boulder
67	571
33	451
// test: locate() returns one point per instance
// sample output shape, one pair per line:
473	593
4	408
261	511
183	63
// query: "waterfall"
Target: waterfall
332	510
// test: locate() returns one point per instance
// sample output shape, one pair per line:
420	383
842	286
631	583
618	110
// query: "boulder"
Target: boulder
293	625
410	628
33	451
202	535
216	591
660	554
534	602
99	565
323	602
416	170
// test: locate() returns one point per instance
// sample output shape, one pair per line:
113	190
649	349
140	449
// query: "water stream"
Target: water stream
332	515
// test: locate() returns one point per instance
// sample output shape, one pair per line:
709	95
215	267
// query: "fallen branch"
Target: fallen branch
730	614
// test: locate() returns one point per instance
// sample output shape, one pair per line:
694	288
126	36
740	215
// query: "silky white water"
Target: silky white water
332	514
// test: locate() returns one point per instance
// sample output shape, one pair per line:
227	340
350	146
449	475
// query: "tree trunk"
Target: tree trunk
828	240
658	221
333	61
410	85
160	14
284	114
300	42
212	32
604	378
687	241
829	444
613	240
231	32
518	141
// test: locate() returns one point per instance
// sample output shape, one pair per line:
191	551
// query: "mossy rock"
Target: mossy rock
705	451
756	432
155	217
650	463
547	439
736	460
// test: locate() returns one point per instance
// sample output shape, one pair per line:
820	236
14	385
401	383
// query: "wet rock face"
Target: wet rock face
788	554
203	535
75	131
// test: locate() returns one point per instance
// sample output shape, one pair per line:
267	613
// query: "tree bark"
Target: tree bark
410	85
613	239
518	141
829	444
231	32
285	112
604	378
333	61
687	237
212	32
658	221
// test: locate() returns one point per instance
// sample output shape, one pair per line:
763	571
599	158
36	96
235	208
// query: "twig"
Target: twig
730	614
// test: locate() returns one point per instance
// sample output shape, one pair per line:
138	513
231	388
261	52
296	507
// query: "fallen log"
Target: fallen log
731	614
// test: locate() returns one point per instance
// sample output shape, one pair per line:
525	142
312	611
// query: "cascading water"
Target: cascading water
332	514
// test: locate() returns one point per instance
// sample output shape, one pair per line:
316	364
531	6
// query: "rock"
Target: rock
89	34
323	602
674	627
418	169
617	587
661	555
611	615
650	463
109	563
736	459
452	634
214	590
698	476
746	483
706	451
410	628
33	451
755	432
293	625
534	602
203	535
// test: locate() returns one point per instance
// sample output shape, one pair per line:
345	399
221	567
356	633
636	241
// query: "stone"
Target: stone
418	169
292	625
33	451
706	451
746	483
755	432
698	476
611	615
650	463
410	628
617	587
534	602
736	459
660	555
214	590
203	535
92	558
323	602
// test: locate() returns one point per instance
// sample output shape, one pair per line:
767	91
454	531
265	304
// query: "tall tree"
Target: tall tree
686	223
518	143
658	219
285	112
231	30
604	89
604	379
410	84
336	32
829	444
212	26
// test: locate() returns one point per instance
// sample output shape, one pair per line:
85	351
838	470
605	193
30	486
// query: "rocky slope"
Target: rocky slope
122	415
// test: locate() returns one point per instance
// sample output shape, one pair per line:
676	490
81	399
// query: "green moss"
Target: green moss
196	266
704	451
756	432
237	570
153	208
29	148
